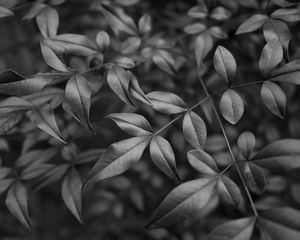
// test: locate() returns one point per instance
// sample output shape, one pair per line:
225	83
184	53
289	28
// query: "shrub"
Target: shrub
204	91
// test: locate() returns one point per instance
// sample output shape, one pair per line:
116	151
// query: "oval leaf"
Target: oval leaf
229	192
246	144
202	162
47	21
251	24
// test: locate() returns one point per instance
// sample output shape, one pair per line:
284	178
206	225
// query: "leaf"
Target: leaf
291	78
78	95
131	45
145	24
11	83
136	91
195	28
199	11
220	14
229	192
71	192
9	121
88	156
118	158
5	184
202	162
225	64
281	223
203	45
276	29
47	21
254	177
51	58
183	202
45	120
231	106
288	14
124	62
246	144
239	229
119	22
270	57
35	170
274	98
5	12
34	11
102	40
290	67
251	24
118	80
166	102
72	43
17	203
132	123
281	154
194	130
164	60
163	156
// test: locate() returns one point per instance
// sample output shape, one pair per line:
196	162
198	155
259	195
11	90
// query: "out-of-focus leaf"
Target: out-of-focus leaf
220	14
292	78
281	223
231	106
47	21
194	130
281	154
34	11
145	24
131	45
288	14
9	120
71	192
251	24
225	64
17	203
167	102
118	80
72	43
203	45
276	29
194	28
35	170
270	57
229	192
239	229
78	94
202	162
199	11
4	172
88	156
290	67
246	144
5	12
184	201
124	62
5	184
102	40
118	158
52	59
132	123
45	120
163	156
164	60
254	177
274	98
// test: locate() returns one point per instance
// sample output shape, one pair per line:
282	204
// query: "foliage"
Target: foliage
188	85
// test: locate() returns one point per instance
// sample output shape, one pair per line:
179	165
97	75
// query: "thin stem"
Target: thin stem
228	144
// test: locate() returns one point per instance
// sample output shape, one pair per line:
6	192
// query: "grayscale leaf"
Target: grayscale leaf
251	24
47	20
203	45
231	106
288	14
194	130
254	177
132	123
229	192
163	156
5	12
167	102
102	40
202	162
131	45
145	24
274	98
246	144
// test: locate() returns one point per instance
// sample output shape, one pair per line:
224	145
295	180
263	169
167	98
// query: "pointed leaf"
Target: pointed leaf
202	162
251	24
5	12
225	64
270	57
167	102
288	14
229	192
5	184
239	229
246	144
47	21
132	123
194	130
17	203
163	156
184	201
71	192
78	95
118	158
203	44
254	177
231	106
136	91
274	98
